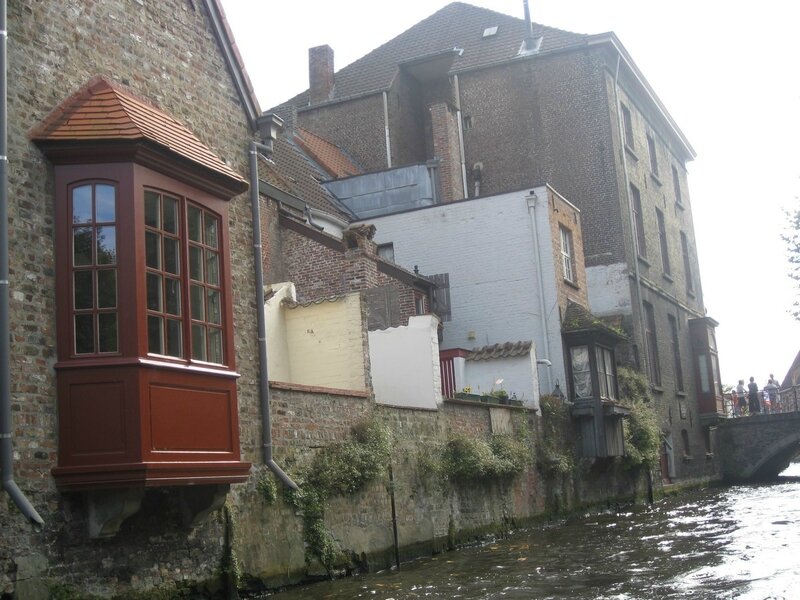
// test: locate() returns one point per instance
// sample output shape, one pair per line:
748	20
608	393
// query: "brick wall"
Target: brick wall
357	127
321	266
563	214
55	48
446	148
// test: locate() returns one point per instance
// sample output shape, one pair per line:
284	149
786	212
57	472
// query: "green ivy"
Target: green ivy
267	487
338	469
642	432
500	457
555	451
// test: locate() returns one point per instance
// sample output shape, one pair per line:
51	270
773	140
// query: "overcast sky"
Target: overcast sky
729	74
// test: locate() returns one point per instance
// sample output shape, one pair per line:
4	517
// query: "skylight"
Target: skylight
490	31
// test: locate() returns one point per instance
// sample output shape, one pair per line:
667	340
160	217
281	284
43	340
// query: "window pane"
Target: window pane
172	259
152	210
105	207
107	288
82	246
155	335
82	204
154	292
170	215
198	342
197	302
108	332
196	263
82	290
84	334
106	245
152	249
212	267
195	227
214	345
173	297
211	231
581	374
174	337
214	310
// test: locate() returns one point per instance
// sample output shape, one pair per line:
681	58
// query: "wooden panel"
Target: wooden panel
186	419
97	418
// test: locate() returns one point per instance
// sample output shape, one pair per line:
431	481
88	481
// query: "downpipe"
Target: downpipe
258	259
6	447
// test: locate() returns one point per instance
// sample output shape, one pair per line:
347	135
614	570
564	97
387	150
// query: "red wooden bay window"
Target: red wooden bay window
146	376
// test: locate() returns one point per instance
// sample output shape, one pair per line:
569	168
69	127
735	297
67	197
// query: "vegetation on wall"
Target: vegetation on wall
642	432
499	457
337	469
555	451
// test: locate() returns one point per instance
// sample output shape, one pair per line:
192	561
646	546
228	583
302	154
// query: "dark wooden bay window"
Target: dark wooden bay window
592	373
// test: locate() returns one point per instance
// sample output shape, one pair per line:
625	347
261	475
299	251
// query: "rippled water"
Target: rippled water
738	542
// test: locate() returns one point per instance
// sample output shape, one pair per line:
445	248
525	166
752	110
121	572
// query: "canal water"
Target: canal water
735	542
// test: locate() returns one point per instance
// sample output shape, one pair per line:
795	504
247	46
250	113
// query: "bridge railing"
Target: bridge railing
786	400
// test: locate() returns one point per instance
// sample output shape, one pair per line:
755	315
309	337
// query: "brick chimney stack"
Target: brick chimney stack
320	73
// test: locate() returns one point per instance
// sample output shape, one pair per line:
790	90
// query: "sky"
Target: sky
728	73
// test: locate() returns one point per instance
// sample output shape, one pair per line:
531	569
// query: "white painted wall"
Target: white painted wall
487	246
320	344
404	362
609	289
278	366
519	375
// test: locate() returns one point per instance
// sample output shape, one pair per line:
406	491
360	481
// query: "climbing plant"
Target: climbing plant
555	451
642	432
338	469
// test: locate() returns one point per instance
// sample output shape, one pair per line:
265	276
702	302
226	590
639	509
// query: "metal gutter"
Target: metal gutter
531	201
258	259
6	447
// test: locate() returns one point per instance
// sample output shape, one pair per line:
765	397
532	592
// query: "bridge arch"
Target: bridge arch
758	448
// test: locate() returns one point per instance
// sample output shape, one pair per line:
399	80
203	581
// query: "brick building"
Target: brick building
494	104
130	260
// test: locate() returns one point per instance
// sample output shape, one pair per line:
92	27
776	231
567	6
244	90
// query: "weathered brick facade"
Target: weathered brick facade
553	118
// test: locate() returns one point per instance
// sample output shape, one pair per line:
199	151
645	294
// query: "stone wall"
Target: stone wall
165	51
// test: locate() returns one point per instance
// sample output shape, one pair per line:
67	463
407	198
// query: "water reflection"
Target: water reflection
734	542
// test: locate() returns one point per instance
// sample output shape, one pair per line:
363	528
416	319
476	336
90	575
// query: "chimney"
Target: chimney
320	73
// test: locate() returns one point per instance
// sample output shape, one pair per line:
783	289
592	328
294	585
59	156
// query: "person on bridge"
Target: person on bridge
771	395
752	397
740	405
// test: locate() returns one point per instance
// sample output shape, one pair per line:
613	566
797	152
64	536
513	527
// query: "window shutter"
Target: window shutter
441	296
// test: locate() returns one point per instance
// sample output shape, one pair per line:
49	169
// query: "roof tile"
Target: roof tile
102	110
506	350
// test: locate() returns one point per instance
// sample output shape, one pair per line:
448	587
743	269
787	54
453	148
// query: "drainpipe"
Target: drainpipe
532	199
6	448
386	130
264	392
461	138
631	222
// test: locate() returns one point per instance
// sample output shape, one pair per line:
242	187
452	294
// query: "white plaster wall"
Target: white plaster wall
278	365
487	247
326	345
518	374
550	346
404	364
609	289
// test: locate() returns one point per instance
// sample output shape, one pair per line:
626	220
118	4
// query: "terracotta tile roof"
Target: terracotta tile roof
507	350
457	25
292	171
326	154
102	110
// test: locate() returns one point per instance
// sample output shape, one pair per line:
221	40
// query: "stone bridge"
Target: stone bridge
758	448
